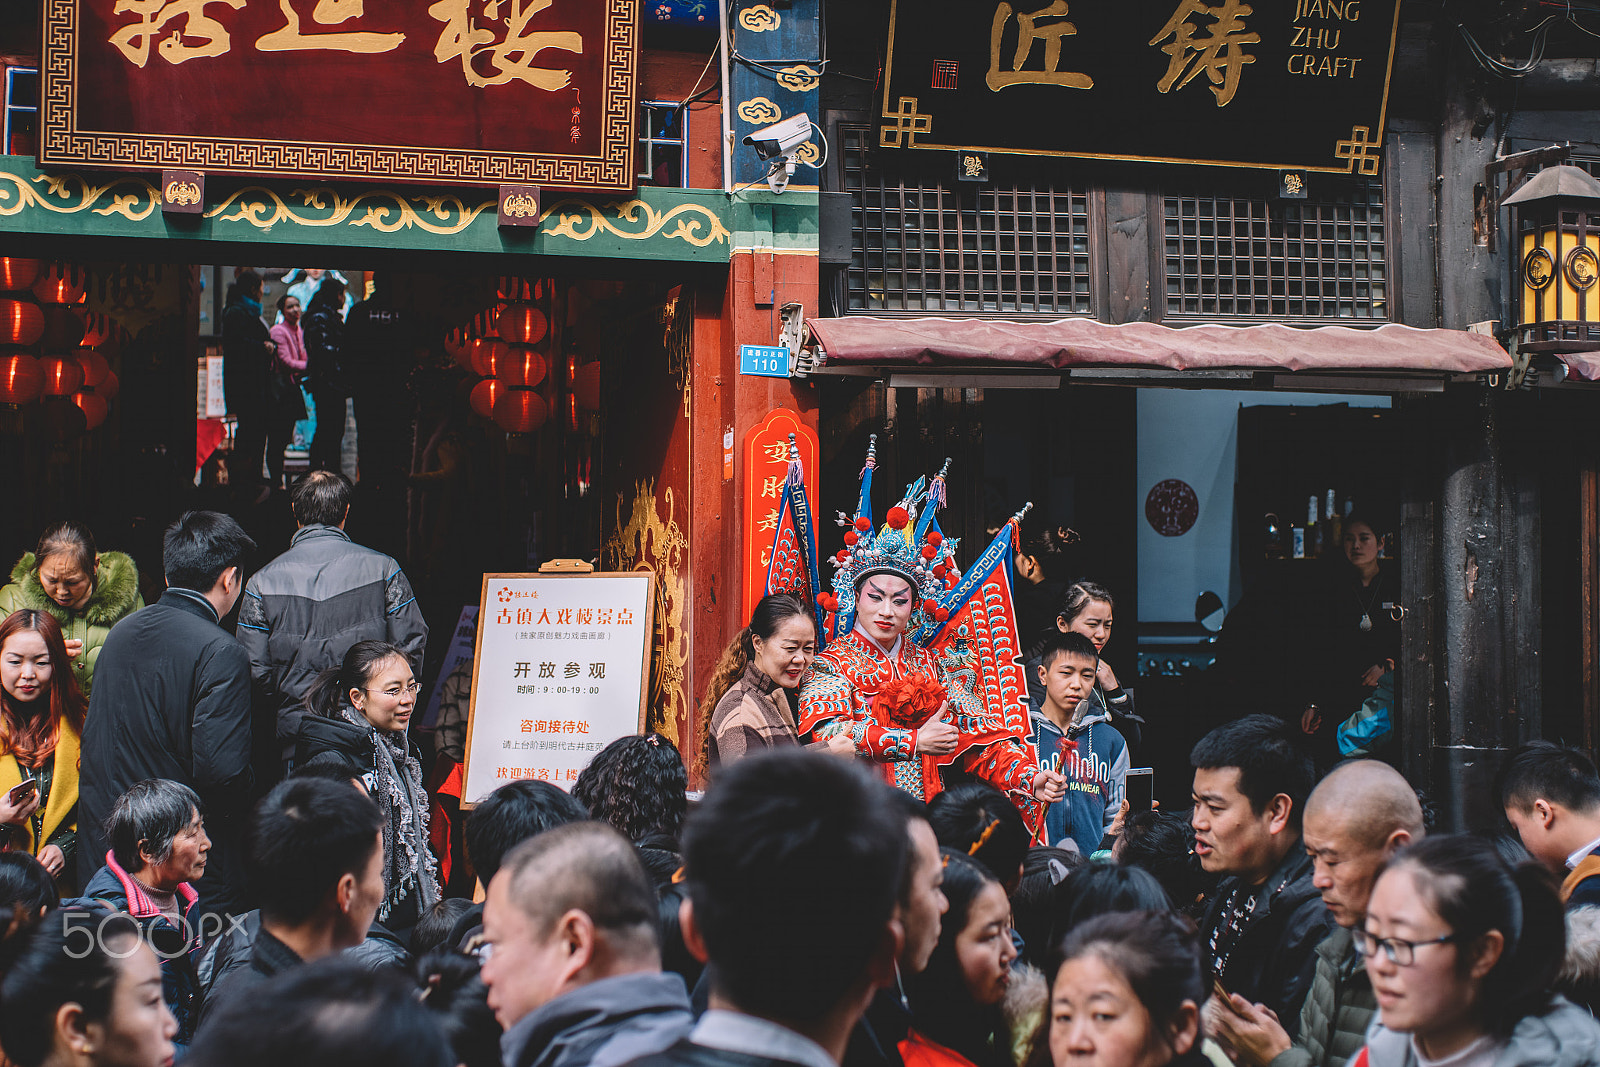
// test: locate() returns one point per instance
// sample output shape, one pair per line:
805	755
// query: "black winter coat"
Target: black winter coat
172	700
1274	957
325	364
246	362
325	741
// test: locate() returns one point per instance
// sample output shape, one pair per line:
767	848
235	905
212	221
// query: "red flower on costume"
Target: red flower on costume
908	702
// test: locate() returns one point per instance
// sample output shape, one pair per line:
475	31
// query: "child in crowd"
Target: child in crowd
1075	737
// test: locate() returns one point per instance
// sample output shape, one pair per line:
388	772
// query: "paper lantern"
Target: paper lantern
586	386
457	344
59	284
95	367
62	375
63	327
21	378
519	411
94	408
21	322
98	329
18	274
110	387
484	394
523	366
487	354
521	324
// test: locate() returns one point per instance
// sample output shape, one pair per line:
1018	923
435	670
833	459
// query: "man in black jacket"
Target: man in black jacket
1266	917
172	700
779	840
304	610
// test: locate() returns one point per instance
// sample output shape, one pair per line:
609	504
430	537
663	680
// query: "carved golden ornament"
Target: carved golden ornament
760	111
521	205
696	224
78	195
182	193
1582	268
1359	149
647	541
1538	269
902	127
799	79
808	153
386	211
760	19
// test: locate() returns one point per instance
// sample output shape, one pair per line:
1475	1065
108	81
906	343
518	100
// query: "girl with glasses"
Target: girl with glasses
1463	950
359	713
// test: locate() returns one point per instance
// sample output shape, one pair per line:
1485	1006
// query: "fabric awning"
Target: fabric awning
1584	365
1063	344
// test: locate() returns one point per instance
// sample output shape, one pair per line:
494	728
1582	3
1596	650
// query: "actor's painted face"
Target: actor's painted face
884	607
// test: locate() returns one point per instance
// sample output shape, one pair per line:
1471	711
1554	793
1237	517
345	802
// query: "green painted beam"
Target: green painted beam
682	225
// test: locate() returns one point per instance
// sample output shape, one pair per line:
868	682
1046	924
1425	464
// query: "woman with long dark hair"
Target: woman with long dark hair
360	711
956	1002
87	591
747	706
1087	608
1463	951
41	721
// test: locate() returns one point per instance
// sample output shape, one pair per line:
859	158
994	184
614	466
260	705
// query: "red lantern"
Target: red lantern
21	379
586	386
97	330
523	366
521	324
94	408
110	387
457	344
21	322
62	375
484	394
59	284
95	368
17	274
488	353
63	327
520	411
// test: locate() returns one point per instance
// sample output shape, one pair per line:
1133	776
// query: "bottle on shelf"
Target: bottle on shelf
1334	523
1313	530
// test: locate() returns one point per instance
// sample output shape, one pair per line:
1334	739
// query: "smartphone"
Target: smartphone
22	790
1141	789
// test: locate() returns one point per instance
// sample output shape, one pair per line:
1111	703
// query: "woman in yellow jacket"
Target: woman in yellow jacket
86	591
41	720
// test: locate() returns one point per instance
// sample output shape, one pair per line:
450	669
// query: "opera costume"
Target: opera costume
961	645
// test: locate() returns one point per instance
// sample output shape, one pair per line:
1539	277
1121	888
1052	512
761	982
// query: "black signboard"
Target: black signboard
1281	84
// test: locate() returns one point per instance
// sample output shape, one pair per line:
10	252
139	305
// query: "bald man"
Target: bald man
573	962
1359	816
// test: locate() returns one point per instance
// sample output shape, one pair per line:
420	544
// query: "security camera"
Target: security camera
782	137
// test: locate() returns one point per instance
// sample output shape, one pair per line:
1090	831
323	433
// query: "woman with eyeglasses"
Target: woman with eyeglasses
1463	950
359	712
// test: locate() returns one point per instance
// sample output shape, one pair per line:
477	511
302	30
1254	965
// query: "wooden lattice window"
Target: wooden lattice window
1230	256
924	242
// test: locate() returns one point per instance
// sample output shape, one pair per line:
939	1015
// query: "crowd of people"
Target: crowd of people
222	848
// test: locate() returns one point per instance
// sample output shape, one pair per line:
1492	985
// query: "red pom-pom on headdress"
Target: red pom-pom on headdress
897	518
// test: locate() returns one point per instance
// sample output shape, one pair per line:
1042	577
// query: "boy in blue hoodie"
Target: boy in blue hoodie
1075	737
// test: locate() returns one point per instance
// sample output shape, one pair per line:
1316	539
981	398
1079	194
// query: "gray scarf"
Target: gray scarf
408	863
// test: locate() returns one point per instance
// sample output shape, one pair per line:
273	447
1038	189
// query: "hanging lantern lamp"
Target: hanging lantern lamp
484	395
110	387
60	283
95	367
524	366
19	274
520	411
487	355
94	407
62	375
1556	283
21	379
521	324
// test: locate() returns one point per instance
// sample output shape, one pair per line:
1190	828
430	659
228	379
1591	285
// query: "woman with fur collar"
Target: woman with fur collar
86	591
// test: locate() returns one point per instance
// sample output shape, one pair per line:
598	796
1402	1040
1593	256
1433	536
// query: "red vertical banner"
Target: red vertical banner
765	465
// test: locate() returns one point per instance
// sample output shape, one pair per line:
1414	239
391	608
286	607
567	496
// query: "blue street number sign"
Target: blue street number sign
769	361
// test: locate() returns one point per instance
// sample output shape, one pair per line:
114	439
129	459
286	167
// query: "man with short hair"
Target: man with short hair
316	860
1266	917
875	1042
304	610
1359	816
574	953
1094	762
1551	796
172	700
780	840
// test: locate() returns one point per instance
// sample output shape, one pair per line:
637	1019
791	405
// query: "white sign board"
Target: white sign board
561	670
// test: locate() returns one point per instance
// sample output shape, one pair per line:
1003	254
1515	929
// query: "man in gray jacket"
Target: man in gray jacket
573	963
302	612
1359	816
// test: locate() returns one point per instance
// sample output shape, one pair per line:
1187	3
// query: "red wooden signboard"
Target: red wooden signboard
487	92
766	464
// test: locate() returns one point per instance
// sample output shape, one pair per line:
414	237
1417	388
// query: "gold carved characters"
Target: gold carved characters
1215	49
1047	25
200	36
327	13
509	58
